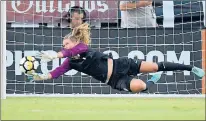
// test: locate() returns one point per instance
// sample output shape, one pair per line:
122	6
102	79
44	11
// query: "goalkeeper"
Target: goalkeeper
117	73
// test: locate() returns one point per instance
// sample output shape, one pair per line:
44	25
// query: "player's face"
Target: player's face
68	44
76	19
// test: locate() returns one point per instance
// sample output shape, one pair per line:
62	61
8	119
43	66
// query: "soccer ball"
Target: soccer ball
28	64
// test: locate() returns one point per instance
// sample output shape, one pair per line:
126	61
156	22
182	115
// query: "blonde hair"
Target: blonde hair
80	33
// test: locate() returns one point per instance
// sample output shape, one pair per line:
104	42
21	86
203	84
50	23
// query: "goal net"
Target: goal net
40	25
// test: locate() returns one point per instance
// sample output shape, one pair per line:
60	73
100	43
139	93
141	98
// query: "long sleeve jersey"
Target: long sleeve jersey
90	62
78	49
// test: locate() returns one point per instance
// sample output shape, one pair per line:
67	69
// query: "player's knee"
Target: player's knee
137	85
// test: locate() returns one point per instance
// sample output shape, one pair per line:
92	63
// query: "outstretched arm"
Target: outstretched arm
78	49
53	74
61	69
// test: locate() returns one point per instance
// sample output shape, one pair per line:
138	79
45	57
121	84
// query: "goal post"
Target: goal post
3	50
203	58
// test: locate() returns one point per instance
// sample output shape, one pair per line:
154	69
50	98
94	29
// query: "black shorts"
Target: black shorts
124	70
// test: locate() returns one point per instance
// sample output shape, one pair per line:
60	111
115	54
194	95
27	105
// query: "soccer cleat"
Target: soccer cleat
155	78
198	71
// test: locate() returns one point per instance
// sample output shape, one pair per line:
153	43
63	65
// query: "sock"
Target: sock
169	66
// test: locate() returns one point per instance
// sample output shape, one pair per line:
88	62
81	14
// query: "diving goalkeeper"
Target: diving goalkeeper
117	73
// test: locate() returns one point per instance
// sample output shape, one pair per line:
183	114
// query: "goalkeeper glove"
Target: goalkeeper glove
37	77
45	56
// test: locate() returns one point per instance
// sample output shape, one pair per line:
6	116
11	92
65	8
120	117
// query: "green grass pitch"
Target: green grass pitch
39	108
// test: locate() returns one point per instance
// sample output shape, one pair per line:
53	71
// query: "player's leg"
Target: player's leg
128	83
147	67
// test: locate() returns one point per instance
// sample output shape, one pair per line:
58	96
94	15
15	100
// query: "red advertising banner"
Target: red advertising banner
51	11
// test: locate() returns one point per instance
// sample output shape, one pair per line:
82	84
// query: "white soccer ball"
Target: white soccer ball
28	65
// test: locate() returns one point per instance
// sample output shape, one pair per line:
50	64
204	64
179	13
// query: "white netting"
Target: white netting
182	43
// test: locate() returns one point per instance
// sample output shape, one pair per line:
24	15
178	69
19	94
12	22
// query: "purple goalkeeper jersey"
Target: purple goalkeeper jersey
65	66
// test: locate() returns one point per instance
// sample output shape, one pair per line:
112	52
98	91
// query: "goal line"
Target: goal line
111	95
